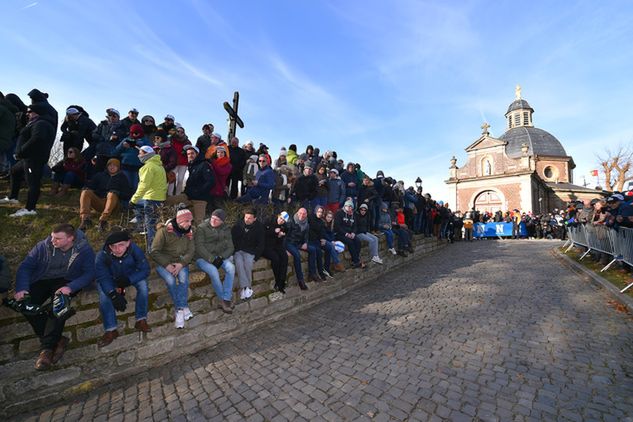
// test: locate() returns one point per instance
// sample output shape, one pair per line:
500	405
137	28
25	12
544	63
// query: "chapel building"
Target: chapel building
526	168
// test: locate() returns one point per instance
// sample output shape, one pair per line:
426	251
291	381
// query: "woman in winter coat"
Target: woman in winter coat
179	141
70	172
173	249
222	167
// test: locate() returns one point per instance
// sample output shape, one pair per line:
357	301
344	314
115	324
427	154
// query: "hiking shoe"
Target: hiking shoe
86	223
23	212
180	319
60	349
44	360
142	326
226	308
7	200
377	259
188	314
107	338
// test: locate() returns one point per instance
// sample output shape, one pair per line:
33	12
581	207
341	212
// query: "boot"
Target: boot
63	191
302	285
339	267
54	188
86	223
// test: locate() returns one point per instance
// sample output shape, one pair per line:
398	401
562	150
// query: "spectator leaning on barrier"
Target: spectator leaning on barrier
248	241
620	213
173	250
33	151
103	193
214	250
120	264
60	265
275	232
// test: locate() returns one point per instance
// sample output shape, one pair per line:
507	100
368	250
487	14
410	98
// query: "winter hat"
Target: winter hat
147	116
193	147
162	134
284	215
72	110
216	135
114	161
113	111
183	215
147	149
363	206
136	131
37	95
39	108
335	171
219	213
283	151
170	117
380	174
220	148
116	237
349	203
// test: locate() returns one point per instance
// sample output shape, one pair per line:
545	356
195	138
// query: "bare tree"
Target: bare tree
617	167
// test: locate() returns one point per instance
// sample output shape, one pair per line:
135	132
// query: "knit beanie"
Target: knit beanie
219	213
283	151
116	237
349	203
136	131
113	161
183	215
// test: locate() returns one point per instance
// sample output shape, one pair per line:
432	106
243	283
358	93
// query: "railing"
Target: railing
616	243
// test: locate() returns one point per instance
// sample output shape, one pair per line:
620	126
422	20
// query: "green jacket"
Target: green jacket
168	248
291	157
152	183
212	241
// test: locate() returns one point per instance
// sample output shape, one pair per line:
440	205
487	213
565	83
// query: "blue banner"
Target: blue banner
496	230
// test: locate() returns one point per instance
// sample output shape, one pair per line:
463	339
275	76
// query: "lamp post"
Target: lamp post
418	184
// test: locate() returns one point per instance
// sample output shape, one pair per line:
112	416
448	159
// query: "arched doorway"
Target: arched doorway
488	201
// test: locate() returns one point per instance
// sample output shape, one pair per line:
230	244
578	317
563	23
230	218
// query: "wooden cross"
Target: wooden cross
233	117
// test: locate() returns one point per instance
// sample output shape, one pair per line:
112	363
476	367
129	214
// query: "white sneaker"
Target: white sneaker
188	314
377	259
7	200
327	273
23	212
180	319
247	293
393	251
133	221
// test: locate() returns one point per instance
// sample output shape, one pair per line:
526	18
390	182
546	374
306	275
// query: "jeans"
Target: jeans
389	237
108	313
67	178
146	213
244	267
353	246
330	255
178	289
404	239
296	255
316	254
132	177
224	290
371	240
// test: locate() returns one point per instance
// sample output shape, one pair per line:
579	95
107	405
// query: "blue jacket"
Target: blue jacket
81	267
265	183
133	264
129	156
349	177
336	191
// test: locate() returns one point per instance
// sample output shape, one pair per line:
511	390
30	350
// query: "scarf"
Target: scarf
173	227
303	225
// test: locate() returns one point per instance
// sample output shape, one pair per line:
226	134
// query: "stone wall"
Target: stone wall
85	367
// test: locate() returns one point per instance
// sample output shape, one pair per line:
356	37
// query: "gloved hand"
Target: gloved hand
217	262
118	300
122	281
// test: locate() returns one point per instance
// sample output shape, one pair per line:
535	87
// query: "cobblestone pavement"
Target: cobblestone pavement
492	330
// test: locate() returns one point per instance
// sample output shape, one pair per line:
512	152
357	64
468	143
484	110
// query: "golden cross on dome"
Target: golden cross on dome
517	92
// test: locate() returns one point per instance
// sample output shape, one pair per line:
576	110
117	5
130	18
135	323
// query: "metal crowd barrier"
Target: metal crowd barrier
617	243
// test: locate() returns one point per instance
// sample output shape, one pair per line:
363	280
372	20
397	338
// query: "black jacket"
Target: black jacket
201	180
249	239
36	140
296	236
362	222
344	223
238	160
102	183
317	228
81	128
272	240
306	187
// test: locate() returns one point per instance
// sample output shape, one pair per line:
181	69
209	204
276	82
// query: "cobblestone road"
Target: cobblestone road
482	331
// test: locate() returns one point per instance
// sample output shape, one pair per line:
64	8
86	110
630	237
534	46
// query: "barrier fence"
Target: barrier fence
616	243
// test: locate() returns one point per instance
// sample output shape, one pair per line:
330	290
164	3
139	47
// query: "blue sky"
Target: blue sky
398	86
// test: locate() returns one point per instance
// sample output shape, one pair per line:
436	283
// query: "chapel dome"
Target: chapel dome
539	142
519	104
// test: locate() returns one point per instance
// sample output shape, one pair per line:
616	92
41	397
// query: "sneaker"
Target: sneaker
327	274
133	221
188	314
180	319
393	251
23	212
377	260
248	293
7	200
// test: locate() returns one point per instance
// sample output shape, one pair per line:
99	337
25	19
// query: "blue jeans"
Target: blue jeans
222	291
330	255
389	236
296	255
146	213
108	313
179	291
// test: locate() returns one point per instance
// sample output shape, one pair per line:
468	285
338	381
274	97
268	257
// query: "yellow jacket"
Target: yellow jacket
152	183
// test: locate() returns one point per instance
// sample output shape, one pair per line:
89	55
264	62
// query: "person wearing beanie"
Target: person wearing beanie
76	129
173	250
103	193
214	250
128	151
351	181
47	111
275	231
248	243
345	229
33	150
298	240
150	193
149	128
363	225
120	264
106	136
